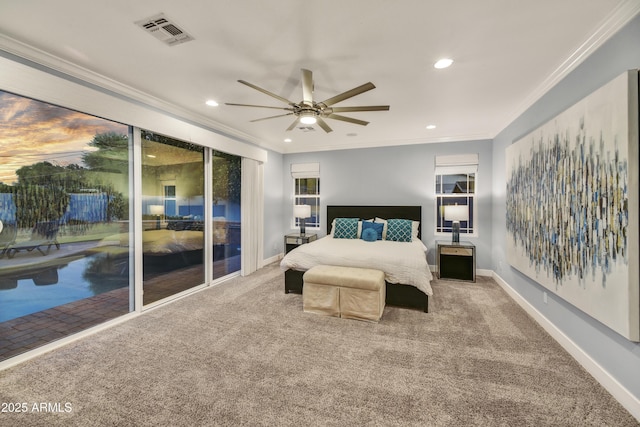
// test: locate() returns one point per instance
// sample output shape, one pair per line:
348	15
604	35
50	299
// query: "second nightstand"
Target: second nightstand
293	240
456	261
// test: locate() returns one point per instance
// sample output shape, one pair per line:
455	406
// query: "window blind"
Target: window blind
305	170
457	163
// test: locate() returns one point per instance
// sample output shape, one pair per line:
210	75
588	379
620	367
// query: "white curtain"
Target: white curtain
252	215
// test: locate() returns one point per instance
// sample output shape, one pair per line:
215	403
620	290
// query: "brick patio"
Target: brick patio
35	330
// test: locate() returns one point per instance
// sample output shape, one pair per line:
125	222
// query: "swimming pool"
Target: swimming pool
40	288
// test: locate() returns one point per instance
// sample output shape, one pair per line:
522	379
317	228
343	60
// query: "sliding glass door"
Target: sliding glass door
226	184
172	216
65	258
68	183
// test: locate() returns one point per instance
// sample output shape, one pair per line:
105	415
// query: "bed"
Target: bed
407	273
162	250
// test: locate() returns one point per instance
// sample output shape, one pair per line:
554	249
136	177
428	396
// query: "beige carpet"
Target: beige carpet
244	353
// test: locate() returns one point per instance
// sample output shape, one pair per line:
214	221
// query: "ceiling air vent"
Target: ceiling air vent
164	29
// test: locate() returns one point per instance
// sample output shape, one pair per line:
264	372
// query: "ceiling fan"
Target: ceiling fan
310	112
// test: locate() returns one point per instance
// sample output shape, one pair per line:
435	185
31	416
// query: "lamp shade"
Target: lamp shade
302	211
156	209
456	213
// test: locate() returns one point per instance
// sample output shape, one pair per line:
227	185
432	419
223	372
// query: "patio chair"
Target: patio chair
7	238
43	234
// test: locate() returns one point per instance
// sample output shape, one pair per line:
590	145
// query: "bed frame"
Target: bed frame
397	294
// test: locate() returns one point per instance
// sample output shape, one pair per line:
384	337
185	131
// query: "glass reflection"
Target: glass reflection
173	209
64	205
226	213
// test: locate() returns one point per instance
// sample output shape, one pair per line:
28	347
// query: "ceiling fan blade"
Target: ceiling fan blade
307	86
324	125
295	122
348	94
354	109
347	119
258	106
270	117
266	92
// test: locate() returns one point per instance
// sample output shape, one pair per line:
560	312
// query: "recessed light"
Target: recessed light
443	63
431	127
211	103
287	140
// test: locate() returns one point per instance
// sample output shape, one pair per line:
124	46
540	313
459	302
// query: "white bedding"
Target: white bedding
161	242
402	262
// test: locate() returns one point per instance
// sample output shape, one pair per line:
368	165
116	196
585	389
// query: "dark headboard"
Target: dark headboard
413	213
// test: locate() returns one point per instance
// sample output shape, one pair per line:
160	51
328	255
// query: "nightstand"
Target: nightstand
293	240
456	261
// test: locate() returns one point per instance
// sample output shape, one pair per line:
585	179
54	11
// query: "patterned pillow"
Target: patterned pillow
346	228
399	230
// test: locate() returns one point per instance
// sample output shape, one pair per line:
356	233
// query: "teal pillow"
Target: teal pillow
375	226
346	228
369	234
399	230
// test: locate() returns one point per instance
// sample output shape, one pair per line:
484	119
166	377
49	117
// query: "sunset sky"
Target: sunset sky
33	131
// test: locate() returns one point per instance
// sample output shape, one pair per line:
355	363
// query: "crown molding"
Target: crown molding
86	77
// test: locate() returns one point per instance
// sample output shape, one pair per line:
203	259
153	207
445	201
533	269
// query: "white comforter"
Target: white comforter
402	262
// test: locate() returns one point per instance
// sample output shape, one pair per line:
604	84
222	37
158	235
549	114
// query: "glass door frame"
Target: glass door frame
137	229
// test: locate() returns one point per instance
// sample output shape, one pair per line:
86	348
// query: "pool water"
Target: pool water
29	292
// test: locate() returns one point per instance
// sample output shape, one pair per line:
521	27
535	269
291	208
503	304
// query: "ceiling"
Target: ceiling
506	55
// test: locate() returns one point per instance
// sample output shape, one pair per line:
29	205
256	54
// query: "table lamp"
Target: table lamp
156	210
455	214
301	212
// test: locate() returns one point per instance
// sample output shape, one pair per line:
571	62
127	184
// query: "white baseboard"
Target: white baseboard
617	390
272	259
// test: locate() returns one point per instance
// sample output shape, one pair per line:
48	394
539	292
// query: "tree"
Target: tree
112	154
37	203
48	174
226	177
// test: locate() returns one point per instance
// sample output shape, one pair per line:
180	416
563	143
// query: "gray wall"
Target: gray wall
395	176
620	357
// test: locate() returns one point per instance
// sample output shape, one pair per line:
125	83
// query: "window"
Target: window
456	178
306	191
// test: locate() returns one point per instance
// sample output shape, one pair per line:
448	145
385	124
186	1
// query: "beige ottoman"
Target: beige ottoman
348	292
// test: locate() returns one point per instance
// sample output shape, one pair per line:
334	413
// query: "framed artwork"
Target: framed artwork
572	203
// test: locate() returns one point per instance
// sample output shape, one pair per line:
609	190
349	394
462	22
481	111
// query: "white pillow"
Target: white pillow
384	227
414	229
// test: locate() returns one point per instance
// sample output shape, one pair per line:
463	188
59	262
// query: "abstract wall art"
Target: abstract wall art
572	203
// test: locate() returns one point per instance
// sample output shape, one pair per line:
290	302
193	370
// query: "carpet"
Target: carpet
244	353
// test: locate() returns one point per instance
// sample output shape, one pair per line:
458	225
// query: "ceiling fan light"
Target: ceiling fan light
308	118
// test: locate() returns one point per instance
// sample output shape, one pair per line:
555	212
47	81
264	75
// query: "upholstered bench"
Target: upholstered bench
348	292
